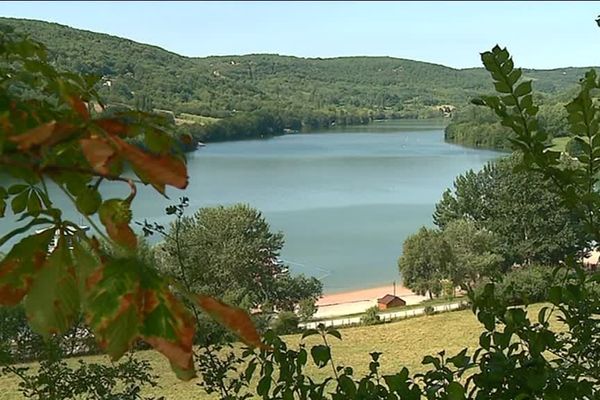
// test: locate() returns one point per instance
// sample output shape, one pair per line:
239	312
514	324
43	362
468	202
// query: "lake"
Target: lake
345	199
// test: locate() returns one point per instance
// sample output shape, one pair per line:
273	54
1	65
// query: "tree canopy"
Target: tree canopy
230	253
523	211
237	92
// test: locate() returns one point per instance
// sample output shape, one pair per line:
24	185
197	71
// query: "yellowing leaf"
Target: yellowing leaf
233	318
98	153
35	136
159	170
168	327
115	215
112	308
21	264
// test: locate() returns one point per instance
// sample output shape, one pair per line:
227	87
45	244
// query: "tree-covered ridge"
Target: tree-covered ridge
298	92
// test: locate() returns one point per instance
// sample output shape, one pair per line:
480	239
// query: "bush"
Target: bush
286	322
525	285
371	316
429	310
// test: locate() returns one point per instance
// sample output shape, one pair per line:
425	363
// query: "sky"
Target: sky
538	34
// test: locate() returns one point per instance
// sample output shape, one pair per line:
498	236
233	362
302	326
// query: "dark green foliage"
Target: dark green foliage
56	380
261	95
285	323
231	254
371	316
523	211
525	285
425	261
429	310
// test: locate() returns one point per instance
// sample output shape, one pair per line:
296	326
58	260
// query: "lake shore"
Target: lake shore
357	301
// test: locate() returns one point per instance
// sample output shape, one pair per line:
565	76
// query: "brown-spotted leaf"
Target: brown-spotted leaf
113	305
52	303
159	170
20	266
115	215
98	153
233	318
168	326
34	137
80	107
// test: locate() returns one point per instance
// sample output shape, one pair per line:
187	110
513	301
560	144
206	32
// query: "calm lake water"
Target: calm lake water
345	199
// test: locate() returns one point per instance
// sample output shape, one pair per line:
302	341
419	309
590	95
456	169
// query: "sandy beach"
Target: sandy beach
357	301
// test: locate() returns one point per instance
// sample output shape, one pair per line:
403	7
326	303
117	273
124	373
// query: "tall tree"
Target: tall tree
519	207
425	261
229	252
474	251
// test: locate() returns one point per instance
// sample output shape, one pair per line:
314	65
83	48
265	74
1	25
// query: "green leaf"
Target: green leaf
88	201
18	188
113	305
555	295
53	300
309	332
514	76
321	355
335	333
347	385
502	87
263	386
21	264
455	391
34	205
168	326
19	202
523	89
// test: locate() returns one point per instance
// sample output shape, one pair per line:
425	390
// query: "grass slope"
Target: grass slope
403	343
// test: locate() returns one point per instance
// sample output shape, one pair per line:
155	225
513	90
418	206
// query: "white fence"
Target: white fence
384	316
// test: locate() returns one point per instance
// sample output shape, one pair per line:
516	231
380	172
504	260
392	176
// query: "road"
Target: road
383	316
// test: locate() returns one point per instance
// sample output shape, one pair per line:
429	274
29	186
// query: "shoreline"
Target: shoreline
359	300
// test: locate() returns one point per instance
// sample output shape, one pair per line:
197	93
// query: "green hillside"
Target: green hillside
285	92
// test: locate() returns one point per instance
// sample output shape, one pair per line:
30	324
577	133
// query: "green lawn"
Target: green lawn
185	118
403	343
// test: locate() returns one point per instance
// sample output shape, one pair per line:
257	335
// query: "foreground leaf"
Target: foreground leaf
35	136
115	215
21	264
113	305
233	318
98	153
53	301
158	170
168	325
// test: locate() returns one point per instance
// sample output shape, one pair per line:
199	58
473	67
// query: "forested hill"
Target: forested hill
263	94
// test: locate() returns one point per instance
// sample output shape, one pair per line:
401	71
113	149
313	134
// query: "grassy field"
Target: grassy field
403	343
185	118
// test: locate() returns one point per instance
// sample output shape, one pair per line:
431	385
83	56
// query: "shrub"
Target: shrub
525	285
371	316
429	310
286	322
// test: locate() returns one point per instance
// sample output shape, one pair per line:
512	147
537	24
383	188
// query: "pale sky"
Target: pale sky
538	34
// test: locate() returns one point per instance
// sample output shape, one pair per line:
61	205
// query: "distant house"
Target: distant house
389	301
